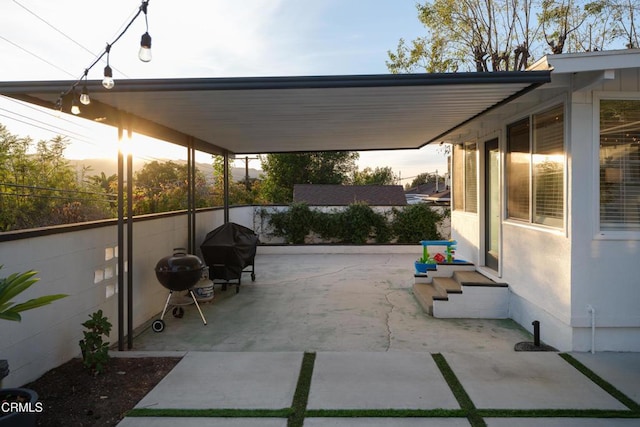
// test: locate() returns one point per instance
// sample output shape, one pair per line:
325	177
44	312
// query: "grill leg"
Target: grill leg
166	304
198	307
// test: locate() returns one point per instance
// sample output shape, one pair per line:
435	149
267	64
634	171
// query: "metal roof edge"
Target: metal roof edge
295	82
496	105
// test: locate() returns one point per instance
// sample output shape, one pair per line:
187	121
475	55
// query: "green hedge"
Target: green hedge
357	224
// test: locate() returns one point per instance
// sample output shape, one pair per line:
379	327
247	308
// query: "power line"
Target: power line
36	56
40	121
82	138
60	31
52	26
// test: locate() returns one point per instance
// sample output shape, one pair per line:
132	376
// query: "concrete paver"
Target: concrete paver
358	380
521	380
373	347
386	422
228	380
622	370
561	422
202	422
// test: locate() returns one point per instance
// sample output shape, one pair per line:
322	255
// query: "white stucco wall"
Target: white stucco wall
605	269
465	229
555	275
536	263
83	264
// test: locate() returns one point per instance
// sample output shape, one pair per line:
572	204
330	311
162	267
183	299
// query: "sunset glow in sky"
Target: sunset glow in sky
57	40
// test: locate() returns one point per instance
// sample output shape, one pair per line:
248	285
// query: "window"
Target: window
535	168
470	178
548	168
465	180
620	165
518	170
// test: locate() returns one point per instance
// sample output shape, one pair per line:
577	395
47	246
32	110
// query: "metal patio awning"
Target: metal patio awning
289	114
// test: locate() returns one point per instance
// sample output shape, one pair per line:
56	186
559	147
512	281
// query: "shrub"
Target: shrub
294	224
414	223
95	352
359	223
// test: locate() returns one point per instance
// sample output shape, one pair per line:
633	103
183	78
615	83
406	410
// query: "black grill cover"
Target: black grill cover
228	249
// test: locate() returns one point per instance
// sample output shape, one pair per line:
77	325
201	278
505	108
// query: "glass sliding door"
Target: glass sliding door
492	204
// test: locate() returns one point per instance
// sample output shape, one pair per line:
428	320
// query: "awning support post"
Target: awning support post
120	241
226	186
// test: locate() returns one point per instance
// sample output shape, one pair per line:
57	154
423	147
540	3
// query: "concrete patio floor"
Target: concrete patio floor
372	349
327	302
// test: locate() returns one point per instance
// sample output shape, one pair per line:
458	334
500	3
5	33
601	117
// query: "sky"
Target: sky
57	40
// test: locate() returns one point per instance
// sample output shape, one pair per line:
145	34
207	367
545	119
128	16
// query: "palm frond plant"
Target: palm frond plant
15	284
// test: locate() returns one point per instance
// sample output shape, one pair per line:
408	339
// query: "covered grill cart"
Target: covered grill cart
228	251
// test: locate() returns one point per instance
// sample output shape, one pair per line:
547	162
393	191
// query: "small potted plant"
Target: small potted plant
21	403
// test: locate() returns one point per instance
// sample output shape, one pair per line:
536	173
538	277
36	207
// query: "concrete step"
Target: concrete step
471	277
425	294
447	285
443	270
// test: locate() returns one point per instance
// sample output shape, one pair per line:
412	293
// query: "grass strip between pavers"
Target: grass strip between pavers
605	385
556	413
386	413
301	395
219	413
458	391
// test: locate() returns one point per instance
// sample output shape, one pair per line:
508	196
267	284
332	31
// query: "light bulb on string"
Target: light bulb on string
108	82
84	95
144	54
75	109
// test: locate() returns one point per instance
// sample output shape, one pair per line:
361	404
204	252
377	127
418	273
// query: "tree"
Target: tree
39	188
379	176
162	187
503	35
624	14
283	171
425	178
238	192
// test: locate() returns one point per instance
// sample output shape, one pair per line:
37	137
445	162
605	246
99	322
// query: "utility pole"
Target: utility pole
246	171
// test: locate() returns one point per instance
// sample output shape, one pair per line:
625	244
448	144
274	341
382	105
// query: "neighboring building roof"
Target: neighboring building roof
343	195
428	188
443	197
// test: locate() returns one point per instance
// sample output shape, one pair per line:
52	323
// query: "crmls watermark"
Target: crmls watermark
30	407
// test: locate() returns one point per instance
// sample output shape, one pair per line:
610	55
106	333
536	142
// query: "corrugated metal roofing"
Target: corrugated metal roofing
289	114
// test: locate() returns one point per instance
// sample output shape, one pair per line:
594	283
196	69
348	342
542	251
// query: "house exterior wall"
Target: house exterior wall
605	269
465	229
83	264
562	276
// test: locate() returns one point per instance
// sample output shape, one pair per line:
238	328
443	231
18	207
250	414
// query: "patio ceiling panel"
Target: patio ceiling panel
289	114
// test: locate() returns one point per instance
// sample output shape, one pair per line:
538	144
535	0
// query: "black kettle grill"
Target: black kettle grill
178	272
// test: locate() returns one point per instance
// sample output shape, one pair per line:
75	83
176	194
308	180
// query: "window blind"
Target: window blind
471	178
548	167
518	159
620	165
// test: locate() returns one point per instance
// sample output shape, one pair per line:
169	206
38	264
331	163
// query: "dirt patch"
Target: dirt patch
73	397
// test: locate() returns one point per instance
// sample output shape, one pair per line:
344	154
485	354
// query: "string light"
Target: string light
75	109
84	96
108	82
144	54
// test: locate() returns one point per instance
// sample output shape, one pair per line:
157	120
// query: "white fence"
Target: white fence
82	262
